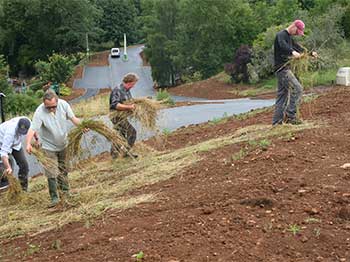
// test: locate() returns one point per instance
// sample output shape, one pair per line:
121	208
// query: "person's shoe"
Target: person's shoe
3	183
134	155
114	154
53	192
131	155
293	121
4	187
54	203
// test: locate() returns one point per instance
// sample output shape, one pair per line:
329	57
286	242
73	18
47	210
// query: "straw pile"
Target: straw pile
75	136
15	190
146	111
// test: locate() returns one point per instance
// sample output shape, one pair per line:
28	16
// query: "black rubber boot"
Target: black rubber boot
63	184
23	179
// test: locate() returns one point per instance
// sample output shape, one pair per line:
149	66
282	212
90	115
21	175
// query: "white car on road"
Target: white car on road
115	52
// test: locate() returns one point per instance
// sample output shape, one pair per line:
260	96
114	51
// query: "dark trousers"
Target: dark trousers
22	163
127	131
289	92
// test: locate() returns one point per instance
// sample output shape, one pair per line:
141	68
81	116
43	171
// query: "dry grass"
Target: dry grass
46	162
14	192
146	111
105	185
302	65
76	134
96	106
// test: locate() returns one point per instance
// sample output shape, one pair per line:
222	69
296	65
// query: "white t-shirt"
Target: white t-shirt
8	138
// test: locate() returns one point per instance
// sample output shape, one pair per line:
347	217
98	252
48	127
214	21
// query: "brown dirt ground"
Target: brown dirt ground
209	89
99	59
213	89
76	92
230	210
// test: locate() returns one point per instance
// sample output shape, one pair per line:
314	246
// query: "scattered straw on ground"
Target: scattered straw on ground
104	185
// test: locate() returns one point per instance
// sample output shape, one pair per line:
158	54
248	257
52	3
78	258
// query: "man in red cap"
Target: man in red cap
288	85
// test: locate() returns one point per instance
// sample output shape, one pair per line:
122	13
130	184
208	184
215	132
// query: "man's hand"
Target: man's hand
8	170
314	54
132	107
36	143
296	54
29	148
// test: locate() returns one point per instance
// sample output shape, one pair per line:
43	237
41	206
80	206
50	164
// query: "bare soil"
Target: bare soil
288	202
208	89
99	59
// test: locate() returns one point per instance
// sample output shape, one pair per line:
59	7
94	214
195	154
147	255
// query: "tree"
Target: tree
34	29
59	68
239	69
210	30
162	48
118	18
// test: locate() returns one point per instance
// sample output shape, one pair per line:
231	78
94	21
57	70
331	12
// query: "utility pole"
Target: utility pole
87	45
125	55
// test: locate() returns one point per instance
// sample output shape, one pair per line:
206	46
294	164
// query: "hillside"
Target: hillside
237	189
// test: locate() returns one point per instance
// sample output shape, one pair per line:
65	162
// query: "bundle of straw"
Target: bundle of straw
146	111
300	65
46	162
15	190
74	137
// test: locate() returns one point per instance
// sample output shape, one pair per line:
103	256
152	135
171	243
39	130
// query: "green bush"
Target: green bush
58	69
190	78
346	22
39	94
36	85
164	96
30	92
65	90
21	104
261	66
103	46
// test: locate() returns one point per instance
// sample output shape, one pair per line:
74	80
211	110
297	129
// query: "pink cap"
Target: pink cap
300	27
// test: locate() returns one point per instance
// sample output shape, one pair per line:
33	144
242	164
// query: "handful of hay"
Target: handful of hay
75	136
14	192
300	65
146	111
46	162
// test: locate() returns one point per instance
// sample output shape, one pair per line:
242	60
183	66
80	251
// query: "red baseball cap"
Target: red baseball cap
300	27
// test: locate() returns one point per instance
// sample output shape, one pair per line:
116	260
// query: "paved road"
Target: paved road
95	78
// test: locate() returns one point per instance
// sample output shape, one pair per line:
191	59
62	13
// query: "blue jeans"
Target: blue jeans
289	92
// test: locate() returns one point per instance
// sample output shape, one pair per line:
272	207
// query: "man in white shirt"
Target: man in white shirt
50	125
11	135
